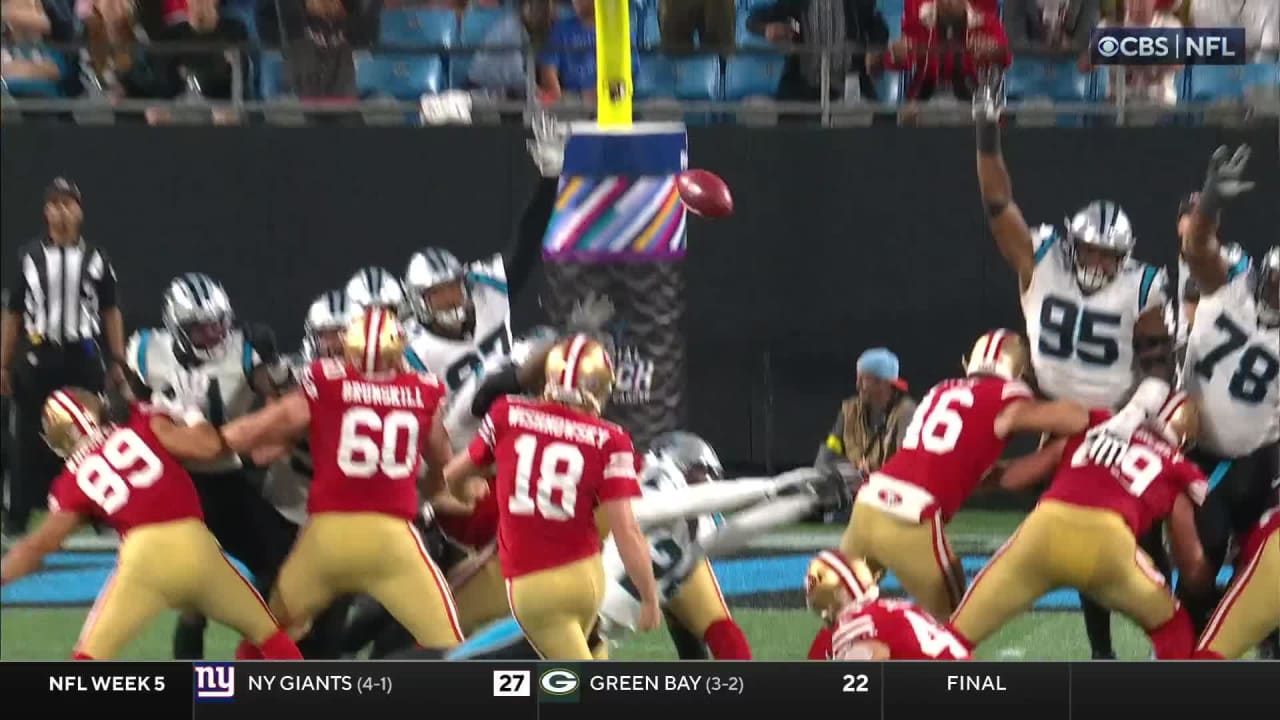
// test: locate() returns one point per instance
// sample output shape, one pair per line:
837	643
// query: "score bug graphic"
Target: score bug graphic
558	685
511	683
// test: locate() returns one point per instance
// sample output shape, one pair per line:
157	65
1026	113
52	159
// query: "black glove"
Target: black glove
1224	179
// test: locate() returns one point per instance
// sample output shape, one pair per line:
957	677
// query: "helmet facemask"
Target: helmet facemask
1268	289
447	306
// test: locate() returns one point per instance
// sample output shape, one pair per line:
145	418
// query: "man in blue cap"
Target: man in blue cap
870	425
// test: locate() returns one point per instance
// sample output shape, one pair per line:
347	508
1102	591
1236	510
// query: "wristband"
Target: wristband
988	136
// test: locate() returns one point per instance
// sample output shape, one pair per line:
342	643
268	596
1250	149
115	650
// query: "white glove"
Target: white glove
591	313
1109	441
452	107
547	145
187	396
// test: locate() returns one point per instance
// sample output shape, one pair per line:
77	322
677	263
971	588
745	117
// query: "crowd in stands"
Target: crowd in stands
341	50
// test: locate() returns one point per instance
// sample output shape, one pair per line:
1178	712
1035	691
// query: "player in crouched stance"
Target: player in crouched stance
130	476
556	461
1083	534
859	625
1250	609
372	425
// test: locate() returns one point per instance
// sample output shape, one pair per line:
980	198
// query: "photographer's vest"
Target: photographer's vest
861	443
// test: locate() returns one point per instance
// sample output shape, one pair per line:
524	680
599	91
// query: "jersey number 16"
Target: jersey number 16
937	423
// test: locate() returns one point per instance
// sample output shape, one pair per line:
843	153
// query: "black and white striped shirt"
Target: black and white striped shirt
61	291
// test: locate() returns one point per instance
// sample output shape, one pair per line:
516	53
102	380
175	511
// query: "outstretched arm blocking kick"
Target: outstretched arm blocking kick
1009	228
1200	248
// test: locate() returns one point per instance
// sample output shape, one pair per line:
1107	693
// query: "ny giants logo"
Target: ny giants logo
215	682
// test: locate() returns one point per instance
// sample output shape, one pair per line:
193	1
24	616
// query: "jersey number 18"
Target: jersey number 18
559	468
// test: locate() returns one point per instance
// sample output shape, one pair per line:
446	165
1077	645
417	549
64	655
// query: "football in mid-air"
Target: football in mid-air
704	193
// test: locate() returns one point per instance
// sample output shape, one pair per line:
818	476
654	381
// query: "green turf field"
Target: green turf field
775	634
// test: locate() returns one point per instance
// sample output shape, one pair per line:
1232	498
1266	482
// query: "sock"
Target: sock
821	647
280	647
1097	625
188	639
246	650
77	655
726	641
1174	640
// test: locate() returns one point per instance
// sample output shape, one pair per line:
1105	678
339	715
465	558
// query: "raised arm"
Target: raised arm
1200	248
1008	227
279	423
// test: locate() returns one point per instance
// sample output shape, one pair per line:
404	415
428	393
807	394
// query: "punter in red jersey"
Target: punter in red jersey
556	462
1083	535
372	424
1250	609
956	435
130	476
859	625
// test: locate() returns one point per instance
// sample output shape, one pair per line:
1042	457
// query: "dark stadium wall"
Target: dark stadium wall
843	239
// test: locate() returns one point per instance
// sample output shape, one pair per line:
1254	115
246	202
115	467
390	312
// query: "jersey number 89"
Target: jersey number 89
125	463
560	469
369	443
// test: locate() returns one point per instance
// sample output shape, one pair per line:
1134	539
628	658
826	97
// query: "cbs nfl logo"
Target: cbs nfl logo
215	682
1168	46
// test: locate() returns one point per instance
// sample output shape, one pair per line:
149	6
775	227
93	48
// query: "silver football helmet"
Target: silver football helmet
439	290
197	313
537	337
375	287
1267	288
327	318
1101	225
688	453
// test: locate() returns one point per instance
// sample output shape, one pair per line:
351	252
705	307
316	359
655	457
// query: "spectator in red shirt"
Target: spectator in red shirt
945	43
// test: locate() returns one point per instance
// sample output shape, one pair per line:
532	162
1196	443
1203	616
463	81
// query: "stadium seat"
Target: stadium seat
475	26
418	28
272	81
245	13
1266	75
892	11
698	78
752	76
644	26
1059	80
1215	83
404	77
654	77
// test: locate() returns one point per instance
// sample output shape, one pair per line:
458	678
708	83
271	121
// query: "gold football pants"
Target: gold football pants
174	565
366	554
1063	545
1251	607
917	553
557	607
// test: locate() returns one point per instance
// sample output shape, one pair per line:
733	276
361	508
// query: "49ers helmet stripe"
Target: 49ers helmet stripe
1175	401
994	340
372	330
69	404
571	361
842	571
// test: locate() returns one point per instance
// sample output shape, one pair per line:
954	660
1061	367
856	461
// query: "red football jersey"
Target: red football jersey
366	437
554	466
909	632
1267	526
1141	487
127	479
951	441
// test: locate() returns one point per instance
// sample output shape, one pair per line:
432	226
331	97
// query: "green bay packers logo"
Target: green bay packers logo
559	684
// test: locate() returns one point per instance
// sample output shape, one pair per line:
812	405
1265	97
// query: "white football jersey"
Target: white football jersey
675	550
1233	370
151	355
462	364
287	483
1082	345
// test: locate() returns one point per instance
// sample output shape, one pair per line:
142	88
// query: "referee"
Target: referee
61	298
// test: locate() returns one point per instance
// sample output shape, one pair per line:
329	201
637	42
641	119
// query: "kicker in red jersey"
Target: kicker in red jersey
1141	487
951	441
366	437
907	631
555	465
127	479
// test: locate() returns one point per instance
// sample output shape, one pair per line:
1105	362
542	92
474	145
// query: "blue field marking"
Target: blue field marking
74	579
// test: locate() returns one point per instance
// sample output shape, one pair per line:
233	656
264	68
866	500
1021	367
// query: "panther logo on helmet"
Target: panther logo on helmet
1101	240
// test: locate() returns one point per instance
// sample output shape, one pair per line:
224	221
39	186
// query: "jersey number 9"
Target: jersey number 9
369	443
125	463
559	468
1139	467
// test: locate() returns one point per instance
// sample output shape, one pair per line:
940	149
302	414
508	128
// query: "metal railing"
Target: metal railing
98	104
